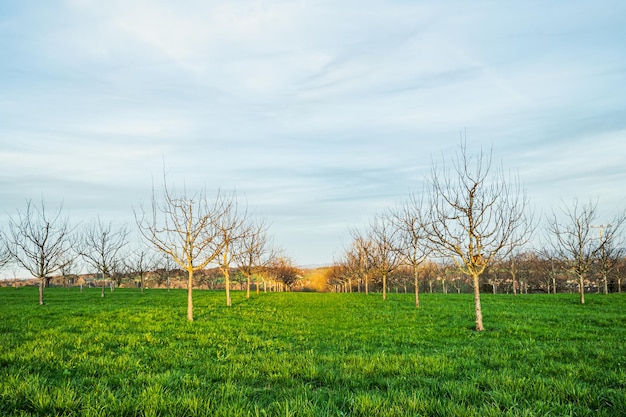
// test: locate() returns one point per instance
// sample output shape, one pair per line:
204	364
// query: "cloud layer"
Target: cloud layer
320	112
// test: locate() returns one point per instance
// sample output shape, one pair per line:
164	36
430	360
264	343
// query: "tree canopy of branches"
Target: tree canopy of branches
100	247
284	271
38	242
573	238
5	255
413	247
232	228
254	251
139	262
384	238
358	260
185	228
473	213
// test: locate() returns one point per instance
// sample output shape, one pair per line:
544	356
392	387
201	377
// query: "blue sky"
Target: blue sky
319	113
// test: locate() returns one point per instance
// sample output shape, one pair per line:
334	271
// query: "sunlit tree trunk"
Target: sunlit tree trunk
477	307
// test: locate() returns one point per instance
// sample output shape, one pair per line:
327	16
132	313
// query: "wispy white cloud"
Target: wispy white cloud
321	112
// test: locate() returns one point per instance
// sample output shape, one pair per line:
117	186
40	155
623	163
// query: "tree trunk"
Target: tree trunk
227	283
581	289
190	295
367	287
41	284
477	308
248	284
103	283
384	286
417	287
606	284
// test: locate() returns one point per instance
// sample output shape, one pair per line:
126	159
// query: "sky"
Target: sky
319	114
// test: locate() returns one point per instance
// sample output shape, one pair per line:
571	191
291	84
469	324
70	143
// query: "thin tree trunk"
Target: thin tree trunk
103	283
606	285
477	308
384	286
41	283
227	283
581	289
417	287
190	295
248	283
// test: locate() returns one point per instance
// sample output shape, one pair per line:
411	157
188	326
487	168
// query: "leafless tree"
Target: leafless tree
475	213
68	267
232	227
413	247
139	262
572	236
5	255
360	255
612	250
100	247
39	242
185	228
384	238
254	251
164	267
283	271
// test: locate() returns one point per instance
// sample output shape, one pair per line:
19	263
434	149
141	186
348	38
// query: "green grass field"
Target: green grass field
306	354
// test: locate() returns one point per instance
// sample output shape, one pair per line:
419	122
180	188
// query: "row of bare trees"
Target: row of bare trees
474	216
192	232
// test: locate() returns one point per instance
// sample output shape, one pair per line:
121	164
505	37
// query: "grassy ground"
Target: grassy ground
304	354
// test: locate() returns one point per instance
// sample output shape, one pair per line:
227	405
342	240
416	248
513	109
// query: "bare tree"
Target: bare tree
359	257
100	247
284	272
232	227
139	262
572	237
413	247
385	242
68	268
38	242
612	249
5	254
185	228
164	266
475	213
253	251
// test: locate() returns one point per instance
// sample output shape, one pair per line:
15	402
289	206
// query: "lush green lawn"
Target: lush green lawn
303	354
